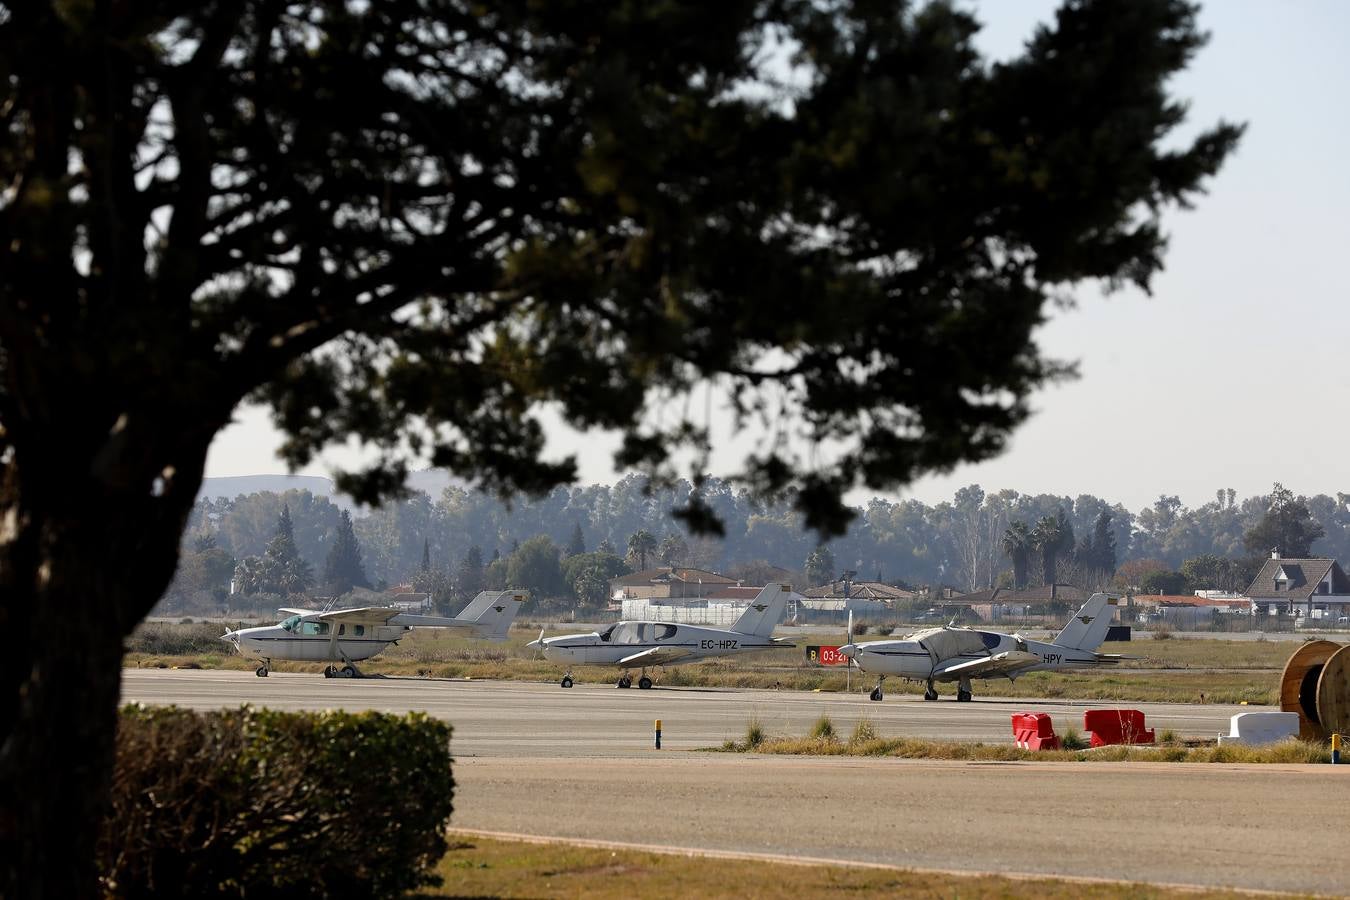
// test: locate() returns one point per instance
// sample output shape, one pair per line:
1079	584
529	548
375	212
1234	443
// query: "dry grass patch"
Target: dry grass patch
866	742
484	867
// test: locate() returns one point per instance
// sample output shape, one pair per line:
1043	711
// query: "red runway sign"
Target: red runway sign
826	656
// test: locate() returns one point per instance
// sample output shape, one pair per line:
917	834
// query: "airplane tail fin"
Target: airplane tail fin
492	612
1087	629
765	611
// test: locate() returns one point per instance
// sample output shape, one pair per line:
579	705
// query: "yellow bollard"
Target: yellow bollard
658	734
1335	748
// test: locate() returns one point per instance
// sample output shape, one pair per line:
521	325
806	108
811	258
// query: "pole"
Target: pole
1335	749
658	734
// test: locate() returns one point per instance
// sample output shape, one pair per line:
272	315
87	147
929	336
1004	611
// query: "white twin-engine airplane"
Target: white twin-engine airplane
631	645
350	635
960	654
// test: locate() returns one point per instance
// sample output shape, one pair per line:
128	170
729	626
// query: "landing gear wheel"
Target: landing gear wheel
625	682
963	696
261	671
329	671
930	694
349	670
875	695
566	682
645	683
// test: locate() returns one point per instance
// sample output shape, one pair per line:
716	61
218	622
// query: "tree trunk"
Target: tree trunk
79	569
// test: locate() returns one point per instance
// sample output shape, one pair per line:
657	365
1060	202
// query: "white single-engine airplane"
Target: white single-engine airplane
351	635
631	645
960	654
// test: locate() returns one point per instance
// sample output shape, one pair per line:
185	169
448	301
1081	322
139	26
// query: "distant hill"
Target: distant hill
428	481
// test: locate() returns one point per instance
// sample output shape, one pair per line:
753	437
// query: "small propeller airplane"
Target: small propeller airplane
960	654
631	645
350	635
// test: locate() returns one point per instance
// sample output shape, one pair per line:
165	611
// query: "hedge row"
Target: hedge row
259	803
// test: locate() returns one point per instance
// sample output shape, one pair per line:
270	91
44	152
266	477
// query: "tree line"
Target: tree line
570	542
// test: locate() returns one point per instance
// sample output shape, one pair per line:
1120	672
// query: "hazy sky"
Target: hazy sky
1233	373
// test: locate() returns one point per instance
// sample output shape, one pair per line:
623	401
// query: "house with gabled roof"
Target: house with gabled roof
1315	588
667	582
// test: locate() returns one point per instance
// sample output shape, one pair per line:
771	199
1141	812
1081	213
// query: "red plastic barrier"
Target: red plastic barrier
1034	731
1116	726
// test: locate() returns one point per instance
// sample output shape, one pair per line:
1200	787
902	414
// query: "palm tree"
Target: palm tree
1017	545
639	545
1046	540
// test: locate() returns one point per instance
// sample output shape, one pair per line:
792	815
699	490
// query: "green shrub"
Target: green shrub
1072	739
260	803
823	729
754	734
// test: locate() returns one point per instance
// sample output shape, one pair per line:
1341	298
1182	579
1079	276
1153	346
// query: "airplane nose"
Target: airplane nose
848	650
535	645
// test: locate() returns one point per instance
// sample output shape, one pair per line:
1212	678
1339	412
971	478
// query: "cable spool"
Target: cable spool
1316	685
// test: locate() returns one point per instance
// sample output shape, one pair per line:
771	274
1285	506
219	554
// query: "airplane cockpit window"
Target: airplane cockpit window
608	633
664	632
289	624
360	630
990	640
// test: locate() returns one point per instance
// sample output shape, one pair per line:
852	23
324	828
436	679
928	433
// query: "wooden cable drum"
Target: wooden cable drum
1299	687
1333	693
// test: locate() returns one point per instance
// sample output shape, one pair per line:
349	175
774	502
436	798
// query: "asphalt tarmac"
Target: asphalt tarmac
512	718
536	759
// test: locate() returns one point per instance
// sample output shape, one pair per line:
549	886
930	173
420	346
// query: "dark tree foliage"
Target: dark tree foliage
640	545
469	573
1017	544
820	568
343	570
1287	526
280	570
416	221
1097	551
576	544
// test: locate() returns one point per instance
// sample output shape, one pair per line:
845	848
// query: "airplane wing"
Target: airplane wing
656	656
1009	663
366	615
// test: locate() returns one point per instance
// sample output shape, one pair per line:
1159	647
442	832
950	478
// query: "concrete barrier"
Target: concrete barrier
1256	728
1034	731
1116	726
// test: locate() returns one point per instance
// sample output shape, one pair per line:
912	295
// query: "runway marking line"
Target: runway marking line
816	861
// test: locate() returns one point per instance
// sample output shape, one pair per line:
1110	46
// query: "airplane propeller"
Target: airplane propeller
848	668
539	644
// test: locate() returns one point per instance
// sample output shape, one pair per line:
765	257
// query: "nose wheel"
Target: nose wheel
566	681
261	671
625	681
930	692
876	695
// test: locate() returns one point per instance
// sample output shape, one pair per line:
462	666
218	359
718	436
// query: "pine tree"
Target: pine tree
343	570
283	570
426	555
576	545
469	574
